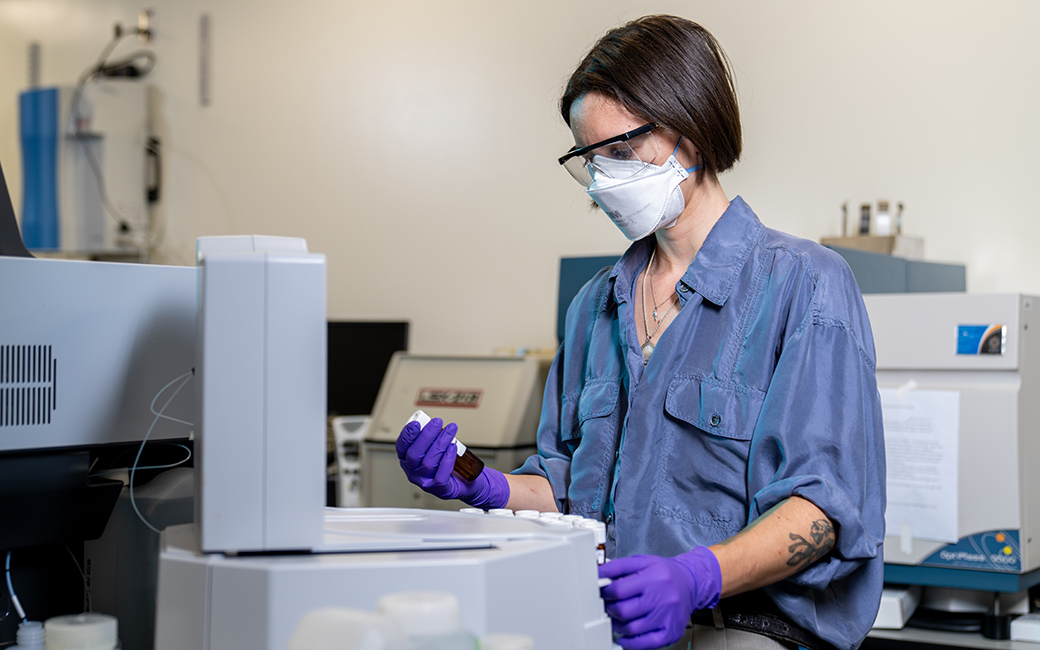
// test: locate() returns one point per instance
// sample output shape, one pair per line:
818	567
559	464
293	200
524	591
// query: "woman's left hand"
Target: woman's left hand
651	598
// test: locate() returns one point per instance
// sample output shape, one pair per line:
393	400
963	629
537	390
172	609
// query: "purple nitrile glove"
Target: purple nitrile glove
651	598
427	457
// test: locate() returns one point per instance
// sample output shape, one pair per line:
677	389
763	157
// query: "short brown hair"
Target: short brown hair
672	71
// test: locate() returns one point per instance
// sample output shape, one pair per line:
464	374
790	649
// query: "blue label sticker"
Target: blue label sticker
980	339
995	550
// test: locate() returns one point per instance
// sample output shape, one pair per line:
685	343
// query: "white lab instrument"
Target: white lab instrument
983	350
509	575
495	401
260	373
348	432
85	347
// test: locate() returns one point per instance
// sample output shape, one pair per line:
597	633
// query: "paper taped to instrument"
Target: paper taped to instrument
921	450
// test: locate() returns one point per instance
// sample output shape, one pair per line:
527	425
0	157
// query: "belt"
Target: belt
755	612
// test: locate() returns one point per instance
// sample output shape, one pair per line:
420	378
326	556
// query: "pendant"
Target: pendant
656	319
647	349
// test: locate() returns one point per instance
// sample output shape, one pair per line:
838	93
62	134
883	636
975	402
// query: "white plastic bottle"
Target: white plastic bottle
89	631
340	628
506	642
29	636
430	620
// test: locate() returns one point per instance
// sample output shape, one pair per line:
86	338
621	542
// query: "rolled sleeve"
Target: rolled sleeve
820	436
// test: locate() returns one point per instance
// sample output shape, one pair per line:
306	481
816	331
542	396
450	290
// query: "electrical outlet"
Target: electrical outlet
146	25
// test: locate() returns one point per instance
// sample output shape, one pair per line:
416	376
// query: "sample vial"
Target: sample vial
599	529
883	221
467	465
864	219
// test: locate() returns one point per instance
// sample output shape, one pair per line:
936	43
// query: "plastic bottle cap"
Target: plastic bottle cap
506	642
423	613
527	514
472	511
550	515
501	512
81	632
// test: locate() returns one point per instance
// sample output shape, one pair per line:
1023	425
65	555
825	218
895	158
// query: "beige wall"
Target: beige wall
414	142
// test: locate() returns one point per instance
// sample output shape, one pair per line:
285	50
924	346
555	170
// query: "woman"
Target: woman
714	399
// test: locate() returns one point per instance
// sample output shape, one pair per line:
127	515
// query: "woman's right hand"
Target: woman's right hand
427	457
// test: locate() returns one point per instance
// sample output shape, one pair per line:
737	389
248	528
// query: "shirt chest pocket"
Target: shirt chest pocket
727	411
706	454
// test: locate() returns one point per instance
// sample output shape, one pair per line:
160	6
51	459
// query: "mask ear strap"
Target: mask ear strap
689	170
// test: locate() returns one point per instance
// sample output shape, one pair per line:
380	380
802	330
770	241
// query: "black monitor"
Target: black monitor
359	352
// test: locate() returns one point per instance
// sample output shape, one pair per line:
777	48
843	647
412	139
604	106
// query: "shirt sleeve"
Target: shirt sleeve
819	434
553	460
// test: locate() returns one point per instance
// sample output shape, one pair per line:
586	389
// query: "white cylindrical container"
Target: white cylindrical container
89	631
29	636
339	628
472	511
430	620
506	642
550	515
527	514
501	512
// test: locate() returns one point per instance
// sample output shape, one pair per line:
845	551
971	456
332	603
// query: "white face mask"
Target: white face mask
642	203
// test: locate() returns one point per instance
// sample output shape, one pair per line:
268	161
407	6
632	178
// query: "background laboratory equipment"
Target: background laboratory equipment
960	376
87	154
496	402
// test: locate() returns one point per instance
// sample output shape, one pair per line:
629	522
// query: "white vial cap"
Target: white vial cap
598	528
501	512
420	417
556	523
572	518
472	511
550	515
423	613
506	642
527	514
81	632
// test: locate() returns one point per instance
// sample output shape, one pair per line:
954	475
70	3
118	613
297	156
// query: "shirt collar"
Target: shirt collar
718	263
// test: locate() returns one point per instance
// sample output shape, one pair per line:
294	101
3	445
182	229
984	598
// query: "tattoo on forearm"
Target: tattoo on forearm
807	551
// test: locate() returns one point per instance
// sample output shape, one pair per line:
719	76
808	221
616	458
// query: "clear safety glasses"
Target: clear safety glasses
620	157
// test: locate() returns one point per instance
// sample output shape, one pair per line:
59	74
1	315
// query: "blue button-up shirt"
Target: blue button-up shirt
761	388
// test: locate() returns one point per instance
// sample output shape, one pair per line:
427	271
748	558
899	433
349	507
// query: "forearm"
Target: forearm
784	540
530	492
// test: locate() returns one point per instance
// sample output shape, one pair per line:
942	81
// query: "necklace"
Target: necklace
648	348
653	296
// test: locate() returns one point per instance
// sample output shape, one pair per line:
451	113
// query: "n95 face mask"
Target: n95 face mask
639	203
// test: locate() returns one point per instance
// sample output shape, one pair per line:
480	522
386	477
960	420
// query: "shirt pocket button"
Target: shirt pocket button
715	420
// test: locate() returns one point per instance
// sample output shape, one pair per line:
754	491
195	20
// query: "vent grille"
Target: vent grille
28	385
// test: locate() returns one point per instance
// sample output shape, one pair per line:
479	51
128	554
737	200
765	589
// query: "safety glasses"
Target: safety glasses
619	157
